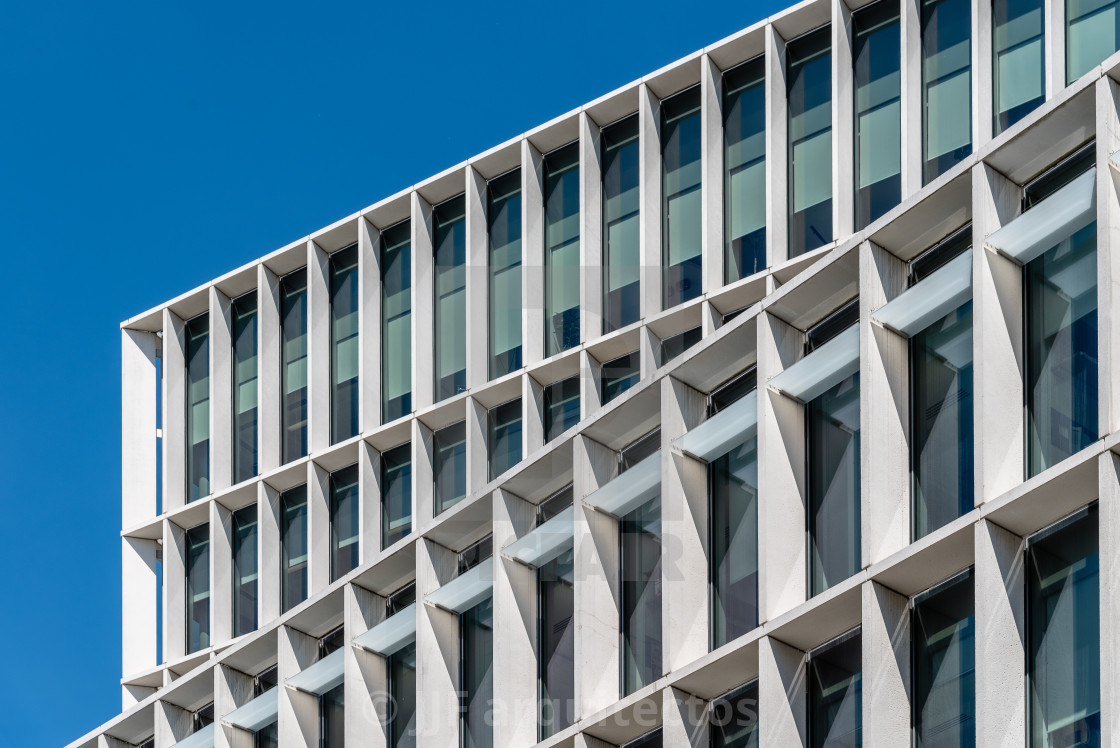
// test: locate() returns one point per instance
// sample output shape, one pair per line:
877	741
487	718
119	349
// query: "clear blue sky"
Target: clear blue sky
148	147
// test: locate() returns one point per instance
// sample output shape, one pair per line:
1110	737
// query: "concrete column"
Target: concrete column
221	392
369	502
318	349
1000	590
1054	26
478	446
590	399
138	426
1108	265
649	353
365	686
172	724
597	584
532	414
423	476
478	282
268	369
590	229
515	616
232	689
781	475
437	651
1109	538
843	122
318	529
369	326
221	573
910	29
982	107
886	667
174	417
711	164
533	281
139	585
684	533
649	198
422	318
782	694
268	552
777	155
684	720
884	411
997	332
298	718
174	592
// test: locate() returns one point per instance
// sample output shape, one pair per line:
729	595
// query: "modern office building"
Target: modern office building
770	400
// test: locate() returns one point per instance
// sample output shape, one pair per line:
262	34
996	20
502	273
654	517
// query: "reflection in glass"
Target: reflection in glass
449	446
619	375
878	110
946	85
396	322
396	494
332	713
267	737
675	345
243	311
504	424
734	528
198	588
943	627
1063	627
503	219
734	718
1019	70
809	91
293	365
621	205
561	407
344	343
401	667
344	521
449	221
293	547
561	256
245	570
640	558
1092	34
197	334
833	478
476	633
836	694
556	599
681	193
744	142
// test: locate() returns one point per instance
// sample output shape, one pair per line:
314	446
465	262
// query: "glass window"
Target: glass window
556	602
344	343
619	375
476	632
835	693
561	231
332	712
1063	630
640	558
649	740
293	371
833	478
943	627
244	314
621	206
267	737
878	110
744	143
809	80
681	197
344	521
675	345
946	85
449	219
941	403
245	570
1092	34
1061	333
396	322
198	588
734	718
293	547
561	407
401	668
450	465
503	223
1018	41
197	333
505	437
396	494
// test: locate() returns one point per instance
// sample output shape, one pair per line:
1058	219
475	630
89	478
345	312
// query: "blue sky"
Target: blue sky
148	147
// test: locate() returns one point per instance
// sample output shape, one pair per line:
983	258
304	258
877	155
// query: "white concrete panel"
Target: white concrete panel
369	503
298	718
221	573
369	326
843	122
138	426
910	30
777	158
1109	559
533	288
590	229
268	552
684	720
139	584
365	682
174	592
437	652
221	391
478	281
232	689
318	529
319	388
649	199
982	100
711	163
1108	265
782	688
174	445
422	318
886	667
268	369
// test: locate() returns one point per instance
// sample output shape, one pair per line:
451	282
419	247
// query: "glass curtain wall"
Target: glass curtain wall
245	573
619	375
344	521
1019	64
449	446
401	668
561	257
293	547
1063	630
809	93
556	603
504	427
476	634
621	206
836	693
561	407
834	479
943	631
640	558
733	719
503	223
332	716
1092	34
449	220
293	370
946	85
343	270
675	345
396	322
198	588
197	335
681	206
244	313
396	494
878	109
744	156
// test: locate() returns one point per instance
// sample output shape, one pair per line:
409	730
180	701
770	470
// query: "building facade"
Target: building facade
766	401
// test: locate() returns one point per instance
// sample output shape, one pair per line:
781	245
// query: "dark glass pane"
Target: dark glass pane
396	322
344	343
293	370
946	85
1092	34
943	627
878	110
674	346
332	712
833	478
244	314
835	695
641	596
734	718
505	437
476	631
402	697
620	375
293	547
197	334
561	212
450	465
561	407
267	737
245	572
809	91
681	206
503	216
198	588
556	598
449	220
734	528
942	459
744	142
1063	626
396	494
344	521
732	391
1019	64
621	206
